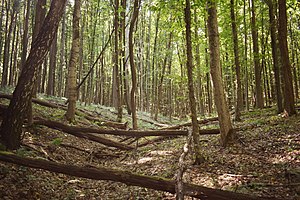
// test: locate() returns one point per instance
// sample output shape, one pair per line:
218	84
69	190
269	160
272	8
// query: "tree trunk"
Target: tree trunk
74	58
132	64
275	56
189	66
215	70
117	87
52	67
288	94
259	99
128	178
239	97
11	126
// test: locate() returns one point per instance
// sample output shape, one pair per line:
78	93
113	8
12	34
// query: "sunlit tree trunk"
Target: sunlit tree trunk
74	58
215	70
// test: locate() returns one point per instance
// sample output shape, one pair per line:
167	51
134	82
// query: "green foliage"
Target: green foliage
57	141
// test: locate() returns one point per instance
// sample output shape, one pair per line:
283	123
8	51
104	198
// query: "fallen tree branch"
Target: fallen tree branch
133	133
126	177
80	134
203	121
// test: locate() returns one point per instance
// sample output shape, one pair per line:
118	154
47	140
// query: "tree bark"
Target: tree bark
189	66
275	56
239	97
128	178
288	94
215	70
74	58
11	126
132	64
259	100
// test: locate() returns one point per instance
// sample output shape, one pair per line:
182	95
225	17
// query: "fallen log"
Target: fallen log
128	178
86	135
132	133
203	121
116	125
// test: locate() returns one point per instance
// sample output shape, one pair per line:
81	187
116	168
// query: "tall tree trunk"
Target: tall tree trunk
246	58
132	64
275	56
25	34
259	99
62	63
11	126
160	84
52	67
239	97
74	58
117	98
8	39
288	94
189	66
215	70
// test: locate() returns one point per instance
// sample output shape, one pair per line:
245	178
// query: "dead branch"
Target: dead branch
203	121
126	177
133	133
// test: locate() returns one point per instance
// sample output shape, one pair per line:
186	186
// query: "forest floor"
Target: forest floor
264	160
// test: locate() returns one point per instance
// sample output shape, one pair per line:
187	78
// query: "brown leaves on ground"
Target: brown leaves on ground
263	161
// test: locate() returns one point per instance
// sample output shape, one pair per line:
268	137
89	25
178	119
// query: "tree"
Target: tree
239	100
116	74
259	99
11	126
74	58
215	70
132	64
189	66
288	94
275	55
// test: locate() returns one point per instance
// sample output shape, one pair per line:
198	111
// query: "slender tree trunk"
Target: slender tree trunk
62	63
52	68
259	100
215	70
117	98
160	84
239	97
275	56
288	94
25	34
132	64
74	58
11	126
189	66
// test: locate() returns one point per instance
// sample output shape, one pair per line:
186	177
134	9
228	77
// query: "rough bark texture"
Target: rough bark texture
128	178
189	66
74	58
215	70
132	64
288	94
11	126
239	97
257	67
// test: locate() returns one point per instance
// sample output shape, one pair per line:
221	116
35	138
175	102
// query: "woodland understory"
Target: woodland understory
263	162
150	99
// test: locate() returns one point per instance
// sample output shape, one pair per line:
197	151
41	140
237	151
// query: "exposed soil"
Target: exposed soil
265	161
